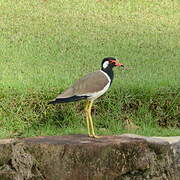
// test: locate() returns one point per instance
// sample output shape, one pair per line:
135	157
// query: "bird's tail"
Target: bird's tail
68	99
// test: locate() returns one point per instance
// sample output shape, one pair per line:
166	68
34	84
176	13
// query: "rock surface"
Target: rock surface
76	157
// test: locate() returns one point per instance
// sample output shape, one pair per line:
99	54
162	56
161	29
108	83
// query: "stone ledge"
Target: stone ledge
79	157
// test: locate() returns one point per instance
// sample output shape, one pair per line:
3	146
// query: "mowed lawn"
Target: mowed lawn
46	45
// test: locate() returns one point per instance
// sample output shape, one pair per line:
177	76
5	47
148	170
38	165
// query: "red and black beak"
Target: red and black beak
116	63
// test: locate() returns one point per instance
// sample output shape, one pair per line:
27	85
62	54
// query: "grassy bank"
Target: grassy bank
46	45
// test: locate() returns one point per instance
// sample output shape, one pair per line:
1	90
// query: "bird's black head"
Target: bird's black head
109	62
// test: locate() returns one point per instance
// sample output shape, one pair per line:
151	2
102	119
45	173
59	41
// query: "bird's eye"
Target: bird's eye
112	61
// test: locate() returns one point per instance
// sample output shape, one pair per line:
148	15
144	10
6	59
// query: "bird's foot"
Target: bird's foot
94	136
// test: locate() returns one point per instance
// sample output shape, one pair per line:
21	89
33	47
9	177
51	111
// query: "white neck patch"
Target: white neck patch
105	64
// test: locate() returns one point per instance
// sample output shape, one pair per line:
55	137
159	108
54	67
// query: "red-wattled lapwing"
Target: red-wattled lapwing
90	87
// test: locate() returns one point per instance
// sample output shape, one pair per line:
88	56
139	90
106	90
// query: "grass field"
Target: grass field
46	45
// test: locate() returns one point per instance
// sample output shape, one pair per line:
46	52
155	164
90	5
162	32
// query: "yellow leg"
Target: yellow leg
87	118
90	121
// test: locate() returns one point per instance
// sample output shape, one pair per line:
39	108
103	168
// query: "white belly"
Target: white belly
95	95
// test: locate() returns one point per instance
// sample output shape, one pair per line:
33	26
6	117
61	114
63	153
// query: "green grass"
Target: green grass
46	45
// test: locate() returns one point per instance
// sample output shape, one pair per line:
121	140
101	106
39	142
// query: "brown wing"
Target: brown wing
90	83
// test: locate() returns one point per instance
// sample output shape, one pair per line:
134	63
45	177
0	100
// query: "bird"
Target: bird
90	87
